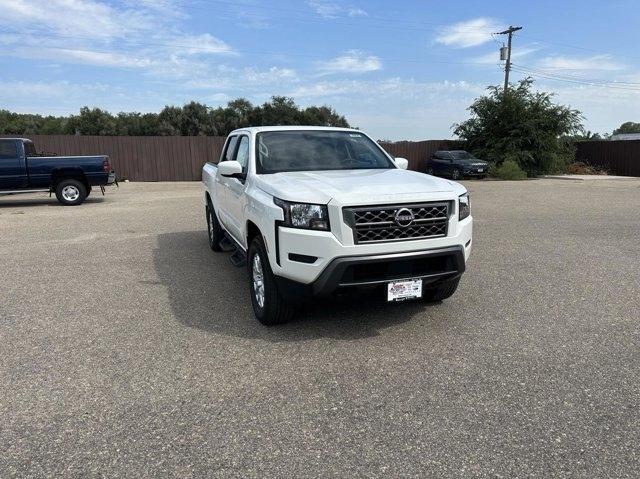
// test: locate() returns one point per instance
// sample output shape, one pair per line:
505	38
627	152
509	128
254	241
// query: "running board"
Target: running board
15	192
227	244
238	258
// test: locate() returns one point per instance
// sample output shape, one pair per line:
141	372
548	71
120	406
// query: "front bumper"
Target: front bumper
475	172
431	266
303	255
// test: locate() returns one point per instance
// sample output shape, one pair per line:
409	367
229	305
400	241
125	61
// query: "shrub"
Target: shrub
509	170
579	168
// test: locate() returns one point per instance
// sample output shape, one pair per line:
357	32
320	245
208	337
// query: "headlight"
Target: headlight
464	206
304	215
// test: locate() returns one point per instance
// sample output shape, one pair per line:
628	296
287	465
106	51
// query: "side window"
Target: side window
8	150
243	152
230	149
30	149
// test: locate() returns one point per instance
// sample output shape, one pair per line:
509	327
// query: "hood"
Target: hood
355	186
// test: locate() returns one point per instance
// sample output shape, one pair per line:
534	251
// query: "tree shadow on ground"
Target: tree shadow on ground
207	292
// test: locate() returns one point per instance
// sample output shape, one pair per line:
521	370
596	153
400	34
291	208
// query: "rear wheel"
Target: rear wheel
214	230
430	171
269	306
455	174
441	292
71	192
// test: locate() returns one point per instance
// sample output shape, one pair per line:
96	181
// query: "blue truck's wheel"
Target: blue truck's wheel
71	192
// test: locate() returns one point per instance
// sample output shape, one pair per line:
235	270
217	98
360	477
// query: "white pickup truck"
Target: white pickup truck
313	210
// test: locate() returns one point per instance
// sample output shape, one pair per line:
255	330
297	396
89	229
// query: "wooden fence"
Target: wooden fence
618	157
141	158
180	158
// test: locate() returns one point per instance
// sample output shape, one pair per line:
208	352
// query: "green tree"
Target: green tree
627	127
281	110
522	125
323	116
91	121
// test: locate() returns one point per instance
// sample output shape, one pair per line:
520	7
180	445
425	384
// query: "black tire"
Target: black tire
430	171
71	192
274	308
441	292
214	230
455	174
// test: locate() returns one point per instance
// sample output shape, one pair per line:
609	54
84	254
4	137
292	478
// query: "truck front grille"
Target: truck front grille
376	224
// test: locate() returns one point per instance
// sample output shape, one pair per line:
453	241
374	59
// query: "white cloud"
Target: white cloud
353	61
78	17
469	33
592	63
199	44
327	9
356	12
141	34
395	87
234	80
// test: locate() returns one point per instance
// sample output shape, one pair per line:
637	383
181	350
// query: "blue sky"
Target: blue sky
399	70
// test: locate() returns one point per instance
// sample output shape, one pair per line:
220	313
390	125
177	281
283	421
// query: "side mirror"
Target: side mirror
402	163
230	169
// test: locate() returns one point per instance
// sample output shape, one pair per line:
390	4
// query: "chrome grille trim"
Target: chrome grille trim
376	224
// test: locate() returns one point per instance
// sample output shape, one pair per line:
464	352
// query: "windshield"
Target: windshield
462	155
300	150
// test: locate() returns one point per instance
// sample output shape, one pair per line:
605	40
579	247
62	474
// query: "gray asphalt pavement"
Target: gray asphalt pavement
129	349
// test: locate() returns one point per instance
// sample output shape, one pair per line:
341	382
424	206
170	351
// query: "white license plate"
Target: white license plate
401	290
480	170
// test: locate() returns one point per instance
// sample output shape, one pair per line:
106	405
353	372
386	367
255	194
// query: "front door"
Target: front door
236	200
13	173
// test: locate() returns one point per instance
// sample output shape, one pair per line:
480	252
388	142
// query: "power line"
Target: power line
568	45
549	76
551	72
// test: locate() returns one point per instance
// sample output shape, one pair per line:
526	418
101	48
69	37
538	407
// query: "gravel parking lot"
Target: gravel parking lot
130	349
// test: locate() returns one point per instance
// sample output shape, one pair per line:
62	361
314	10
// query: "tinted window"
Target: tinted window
243	152
301	150
8	150
30	149
443	155
231	148
462	155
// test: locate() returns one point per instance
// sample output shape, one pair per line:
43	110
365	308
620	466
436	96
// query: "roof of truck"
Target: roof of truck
258	129
21	139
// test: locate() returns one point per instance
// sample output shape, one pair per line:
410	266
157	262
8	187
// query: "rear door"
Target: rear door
13	171
440	162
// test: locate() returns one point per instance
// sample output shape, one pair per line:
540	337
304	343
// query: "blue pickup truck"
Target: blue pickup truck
71	178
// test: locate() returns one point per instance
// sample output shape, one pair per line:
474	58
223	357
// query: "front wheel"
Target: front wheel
269	306
455	174
71	192
430	171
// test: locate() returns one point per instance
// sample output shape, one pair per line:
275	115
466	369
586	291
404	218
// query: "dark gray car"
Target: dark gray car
456	164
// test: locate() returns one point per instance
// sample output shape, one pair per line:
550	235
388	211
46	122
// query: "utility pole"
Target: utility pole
509	31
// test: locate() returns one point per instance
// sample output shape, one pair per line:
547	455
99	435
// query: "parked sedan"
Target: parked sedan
456	164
